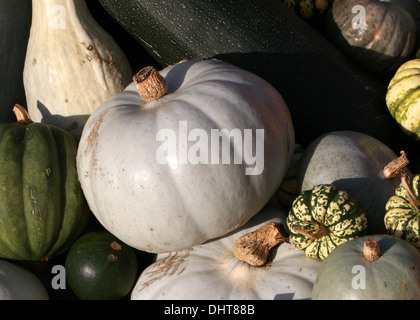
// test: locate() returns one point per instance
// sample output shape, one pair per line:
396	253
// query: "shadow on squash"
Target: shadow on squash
72	124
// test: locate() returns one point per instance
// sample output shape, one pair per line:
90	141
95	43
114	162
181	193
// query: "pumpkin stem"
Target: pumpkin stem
320	231
371	250
412	199
150	84
254	247
21	114
396	166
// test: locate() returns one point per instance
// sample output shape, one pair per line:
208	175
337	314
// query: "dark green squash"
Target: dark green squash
15	23
42	206
323	89
101	267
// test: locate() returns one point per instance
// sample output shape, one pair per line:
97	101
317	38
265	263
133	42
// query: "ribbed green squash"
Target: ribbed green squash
322	219
403	97
308	9
402	218
101	267
42	207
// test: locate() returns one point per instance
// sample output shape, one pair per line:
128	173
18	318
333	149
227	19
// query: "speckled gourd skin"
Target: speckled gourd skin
331	208
72	65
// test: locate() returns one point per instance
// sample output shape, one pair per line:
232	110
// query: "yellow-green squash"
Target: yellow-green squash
403	97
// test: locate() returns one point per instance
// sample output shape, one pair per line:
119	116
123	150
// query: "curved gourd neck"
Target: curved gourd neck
61	15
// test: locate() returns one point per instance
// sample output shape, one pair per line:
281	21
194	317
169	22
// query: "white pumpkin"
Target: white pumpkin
352	161
17	283
158	192
212	272
72	65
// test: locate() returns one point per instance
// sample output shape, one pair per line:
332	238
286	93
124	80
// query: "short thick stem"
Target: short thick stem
150	84
396	166
371	250
21	114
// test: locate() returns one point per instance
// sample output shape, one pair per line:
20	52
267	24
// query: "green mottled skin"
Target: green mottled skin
402	220
42	207
399	108
330	207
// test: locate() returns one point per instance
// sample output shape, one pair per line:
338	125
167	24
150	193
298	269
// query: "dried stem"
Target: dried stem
371	250
320	231
21	114
254	247
405	180
396	166
150	84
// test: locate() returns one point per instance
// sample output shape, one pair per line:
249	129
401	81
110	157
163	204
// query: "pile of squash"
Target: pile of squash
209	149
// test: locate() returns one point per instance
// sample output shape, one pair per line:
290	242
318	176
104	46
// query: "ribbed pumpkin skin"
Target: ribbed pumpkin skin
394	276
402	220
42	207
99	266
383	43
330	207
403	97
308	8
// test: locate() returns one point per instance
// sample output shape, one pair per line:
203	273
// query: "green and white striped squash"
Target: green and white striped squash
403	97
402	218
322	219
308	8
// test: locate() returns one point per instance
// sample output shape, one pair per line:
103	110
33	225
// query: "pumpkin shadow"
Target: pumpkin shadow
73	124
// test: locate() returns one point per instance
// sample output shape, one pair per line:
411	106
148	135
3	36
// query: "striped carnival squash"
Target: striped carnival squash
403	97
42	207
402	217
308	9
322	219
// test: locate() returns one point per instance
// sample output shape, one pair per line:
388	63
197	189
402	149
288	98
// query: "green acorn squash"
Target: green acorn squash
42	207
322	219
101	267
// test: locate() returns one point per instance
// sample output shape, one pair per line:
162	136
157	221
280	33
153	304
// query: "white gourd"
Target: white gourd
72	65
211	271
158	200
